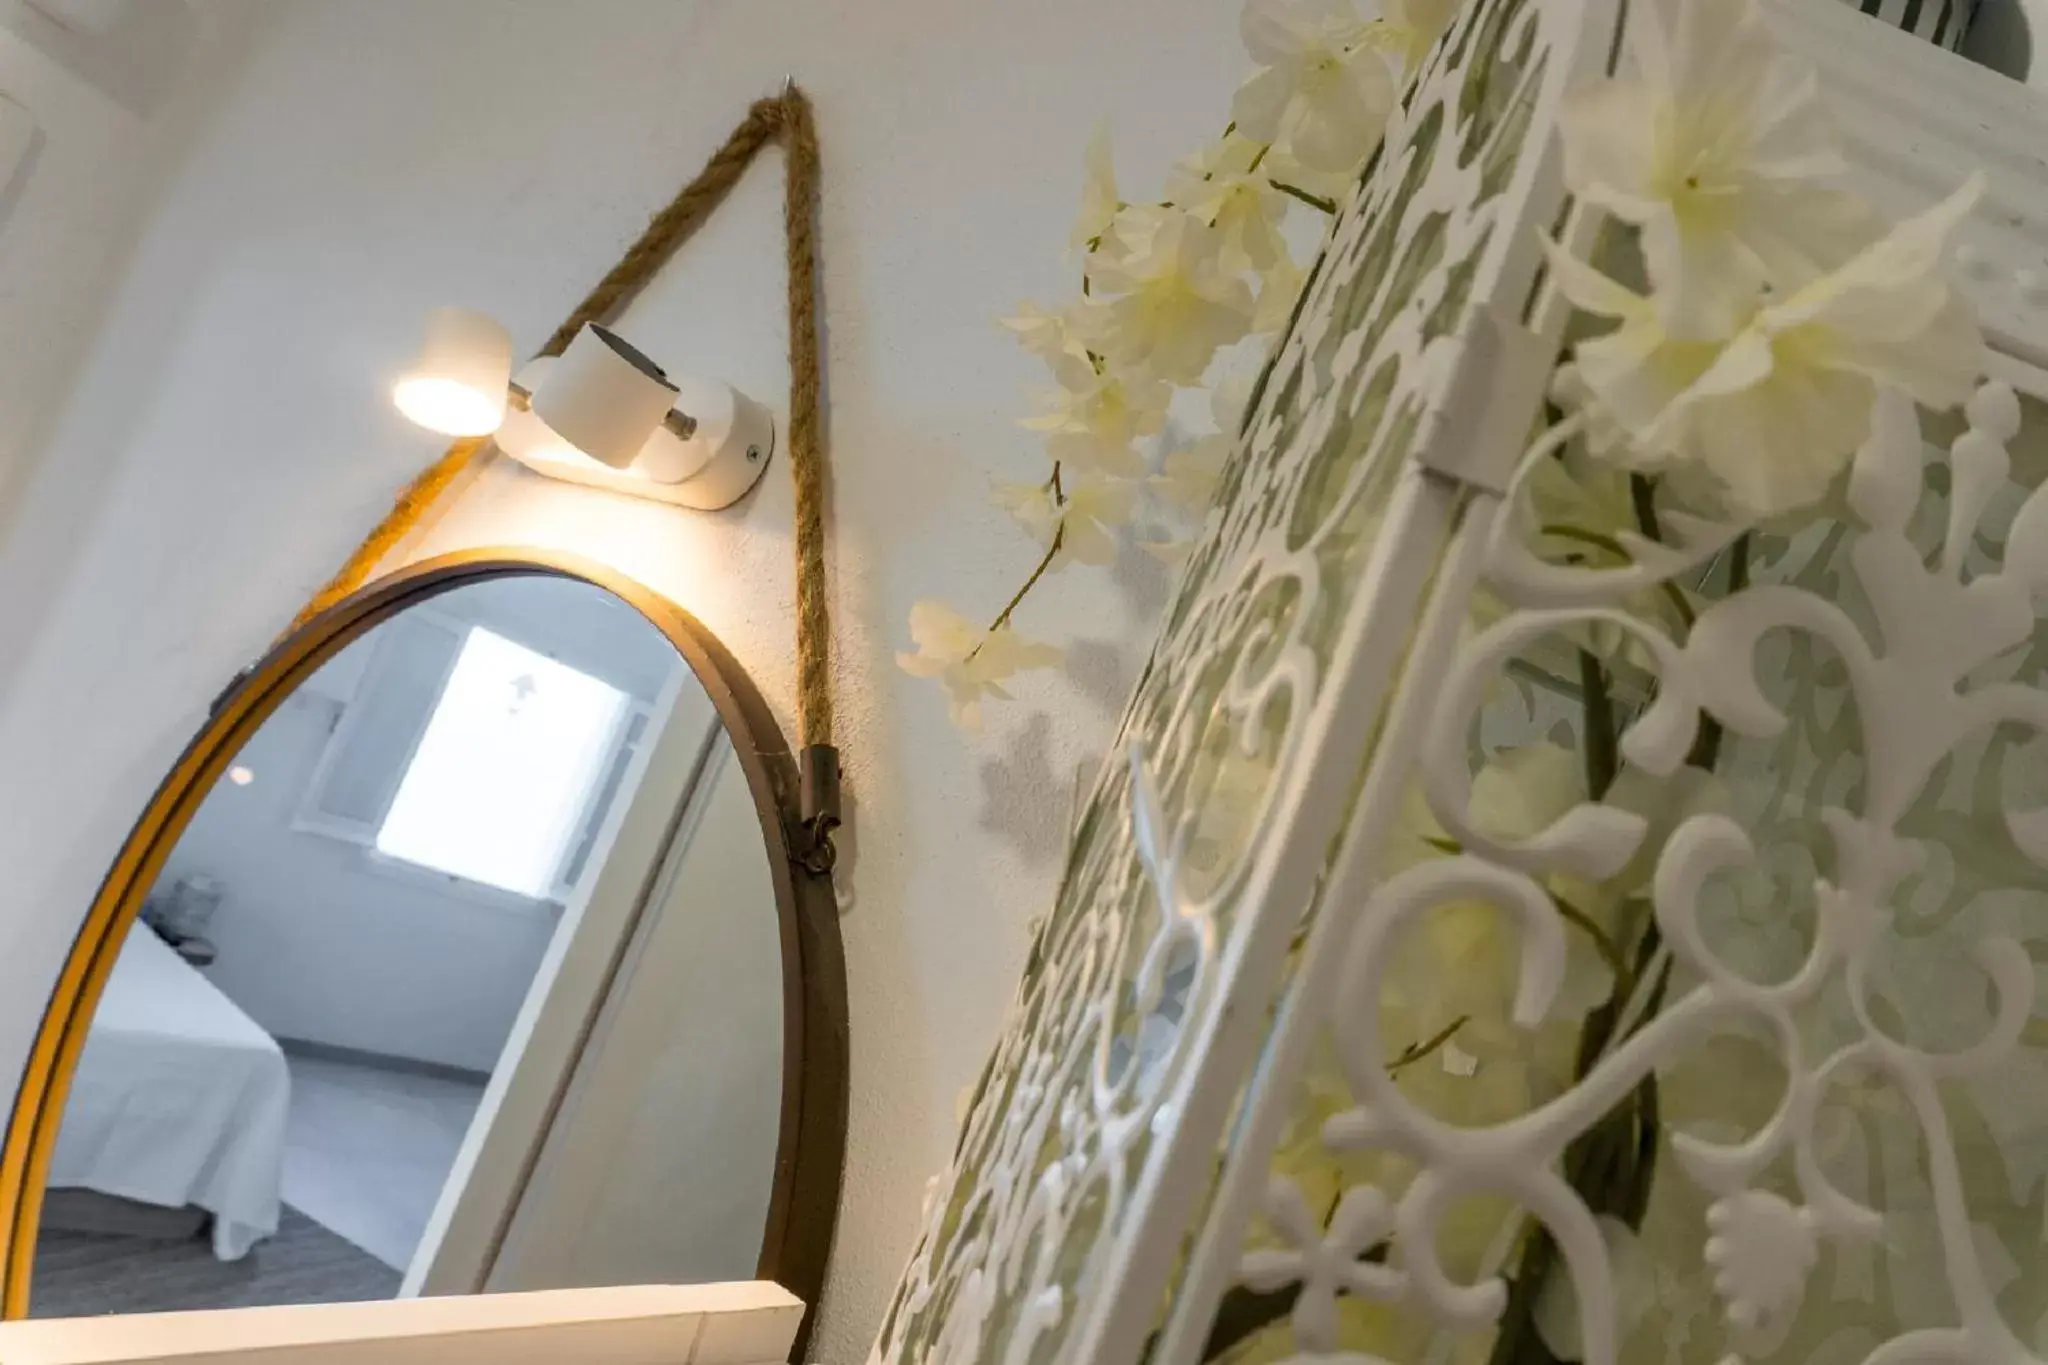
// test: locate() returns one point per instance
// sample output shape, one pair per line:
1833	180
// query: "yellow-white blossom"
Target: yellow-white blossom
1633	373
1778	408
1715	145
1095	508
1166	301
1094	416
1414	26
1034	507
1085	519
1190	472
1099	201
1324	87
1280	286
1578	510
1049	336
1454	973
1599	431
1283	167
969	661
1225	186
1188	475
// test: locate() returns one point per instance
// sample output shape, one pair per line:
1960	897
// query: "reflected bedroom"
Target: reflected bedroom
350	948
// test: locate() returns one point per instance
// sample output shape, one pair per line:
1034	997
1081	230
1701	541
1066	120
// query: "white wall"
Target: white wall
373	160
317	946
113	113
317	942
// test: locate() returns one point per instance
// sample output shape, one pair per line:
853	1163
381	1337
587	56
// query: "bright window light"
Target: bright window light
502	775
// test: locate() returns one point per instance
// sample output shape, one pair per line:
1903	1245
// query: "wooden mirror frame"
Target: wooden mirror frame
804	1199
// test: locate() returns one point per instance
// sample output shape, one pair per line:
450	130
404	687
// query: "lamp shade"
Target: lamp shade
457	387
524	436
603	397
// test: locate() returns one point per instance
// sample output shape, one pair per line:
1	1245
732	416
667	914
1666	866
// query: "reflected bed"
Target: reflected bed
179	1100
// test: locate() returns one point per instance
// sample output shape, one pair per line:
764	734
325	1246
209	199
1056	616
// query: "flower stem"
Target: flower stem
1643	493
1603	748
1614	547
1706	748
1314	201
1052	552
1603	942
1415	1052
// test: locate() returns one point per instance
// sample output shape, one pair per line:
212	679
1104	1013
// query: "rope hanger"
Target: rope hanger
786	119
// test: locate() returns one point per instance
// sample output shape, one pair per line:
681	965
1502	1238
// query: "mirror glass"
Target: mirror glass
466	975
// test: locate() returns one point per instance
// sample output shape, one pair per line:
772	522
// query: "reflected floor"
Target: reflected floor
367	1149
83	1274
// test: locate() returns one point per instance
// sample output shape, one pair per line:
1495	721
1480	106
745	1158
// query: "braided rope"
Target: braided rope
786	118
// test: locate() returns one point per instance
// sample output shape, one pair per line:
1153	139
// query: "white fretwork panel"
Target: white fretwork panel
1092	1143
1725	1045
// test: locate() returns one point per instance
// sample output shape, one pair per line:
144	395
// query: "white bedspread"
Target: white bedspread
179	1099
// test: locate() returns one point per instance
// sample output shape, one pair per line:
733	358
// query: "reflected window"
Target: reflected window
504	773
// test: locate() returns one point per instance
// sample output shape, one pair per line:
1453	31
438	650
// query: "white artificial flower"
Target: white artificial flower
1224	186
1580	508
1280	286
1095	415
1572	489
1085	519
1716	146
1323	88
971	663
1632	374
1779	408
1460	962
1095	508
1099	201
1168	302
1033	506
1416	25
1599	431
1189	474
1282	167
1049	336
1523	791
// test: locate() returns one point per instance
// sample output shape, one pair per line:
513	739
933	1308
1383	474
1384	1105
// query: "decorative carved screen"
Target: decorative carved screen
1496	942
1095	1134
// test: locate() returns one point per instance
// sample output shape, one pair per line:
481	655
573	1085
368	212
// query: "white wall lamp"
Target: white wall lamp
600	414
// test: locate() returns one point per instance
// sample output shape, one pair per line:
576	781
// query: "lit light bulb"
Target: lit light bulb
457	387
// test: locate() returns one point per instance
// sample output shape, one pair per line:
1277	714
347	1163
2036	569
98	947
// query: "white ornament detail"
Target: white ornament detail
1933	626
1761	1252
1325	1264
1934	629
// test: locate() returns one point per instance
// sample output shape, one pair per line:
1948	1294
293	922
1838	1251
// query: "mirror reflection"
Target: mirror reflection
466	975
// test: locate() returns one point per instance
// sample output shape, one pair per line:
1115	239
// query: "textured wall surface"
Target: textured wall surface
372	160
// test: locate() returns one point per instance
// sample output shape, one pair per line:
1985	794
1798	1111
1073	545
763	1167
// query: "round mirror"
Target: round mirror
461	952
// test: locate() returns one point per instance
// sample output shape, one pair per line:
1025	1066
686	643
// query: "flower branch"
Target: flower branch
1167	284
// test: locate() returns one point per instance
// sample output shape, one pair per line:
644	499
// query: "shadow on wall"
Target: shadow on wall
2001	38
